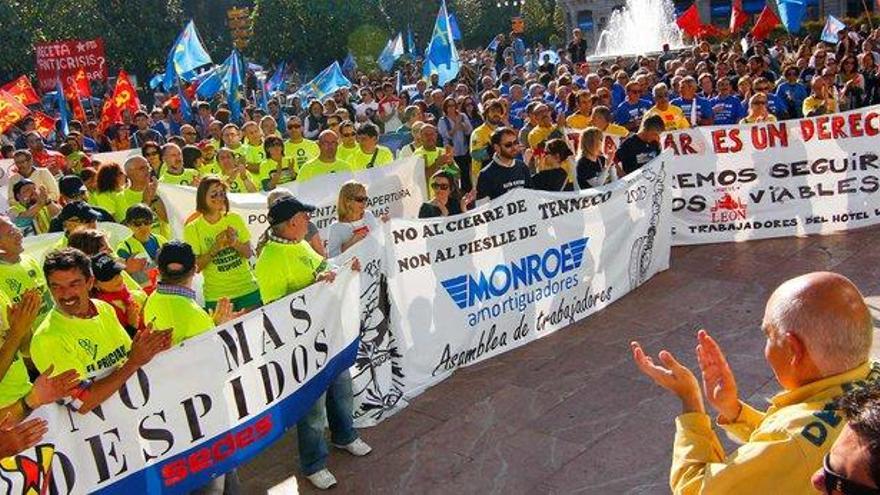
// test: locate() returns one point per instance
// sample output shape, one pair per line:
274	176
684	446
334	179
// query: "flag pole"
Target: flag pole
868	14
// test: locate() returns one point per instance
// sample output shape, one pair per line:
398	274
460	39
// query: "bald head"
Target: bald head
828	314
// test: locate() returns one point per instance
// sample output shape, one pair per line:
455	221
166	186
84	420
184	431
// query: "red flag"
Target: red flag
125	97
689	21
71	94
82	83
11	111
738	17
22	91
765	23
43	124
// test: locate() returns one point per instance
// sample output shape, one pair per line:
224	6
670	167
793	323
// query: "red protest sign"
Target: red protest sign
66	57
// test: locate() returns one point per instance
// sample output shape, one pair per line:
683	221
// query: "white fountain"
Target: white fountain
640	27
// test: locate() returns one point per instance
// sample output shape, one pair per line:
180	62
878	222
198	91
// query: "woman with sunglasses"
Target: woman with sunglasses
221	242
448	199
758	110
871	76
851	84
153	153
354	222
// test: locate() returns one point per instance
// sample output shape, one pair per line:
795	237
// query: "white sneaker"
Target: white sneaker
358	448
323	479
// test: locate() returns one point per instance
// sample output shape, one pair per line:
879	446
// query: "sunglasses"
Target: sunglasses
834	481
217	195
359	199
439	187
760	103
347	134
510	144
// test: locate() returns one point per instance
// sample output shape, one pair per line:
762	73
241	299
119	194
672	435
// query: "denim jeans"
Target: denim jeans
336	403
227	484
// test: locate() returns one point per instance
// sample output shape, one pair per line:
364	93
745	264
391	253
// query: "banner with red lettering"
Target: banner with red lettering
66	57
815	175
202	408
22	90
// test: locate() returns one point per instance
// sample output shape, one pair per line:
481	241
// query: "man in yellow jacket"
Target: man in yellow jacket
819	334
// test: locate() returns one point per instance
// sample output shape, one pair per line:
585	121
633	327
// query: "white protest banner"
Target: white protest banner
202	408
376	372
397	189
815	175
469	287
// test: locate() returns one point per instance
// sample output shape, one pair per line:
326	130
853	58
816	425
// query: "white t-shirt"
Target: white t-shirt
341	232
361	108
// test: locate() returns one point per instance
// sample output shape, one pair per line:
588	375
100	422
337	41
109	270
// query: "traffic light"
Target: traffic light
241	26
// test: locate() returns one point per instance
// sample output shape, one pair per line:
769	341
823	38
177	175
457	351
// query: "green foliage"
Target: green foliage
366	43
138	33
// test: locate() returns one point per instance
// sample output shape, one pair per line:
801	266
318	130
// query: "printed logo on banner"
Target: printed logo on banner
466	291
33	476
728	208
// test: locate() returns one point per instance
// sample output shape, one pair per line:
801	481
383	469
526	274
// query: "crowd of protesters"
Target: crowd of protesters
503	123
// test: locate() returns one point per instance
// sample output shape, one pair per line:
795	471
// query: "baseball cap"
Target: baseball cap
78	210
285	208
105	267
175	258
20	185
71	186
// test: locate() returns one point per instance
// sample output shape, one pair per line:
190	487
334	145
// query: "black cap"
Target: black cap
79	210
71	186
284	209
105	267
175	258
19	186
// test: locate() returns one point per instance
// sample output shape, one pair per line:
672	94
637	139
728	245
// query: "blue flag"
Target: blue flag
63	114
411	43
791	13
832	26
156	81
324	84
453	25
185	108
349	65
211	81
441	56
186	55
393	51
231	82
493	45
277	79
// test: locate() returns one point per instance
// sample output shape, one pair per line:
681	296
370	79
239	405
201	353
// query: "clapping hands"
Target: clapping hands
718	381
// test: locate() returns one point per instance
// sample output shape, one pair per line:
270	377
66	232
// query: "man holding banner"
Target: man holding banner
287	264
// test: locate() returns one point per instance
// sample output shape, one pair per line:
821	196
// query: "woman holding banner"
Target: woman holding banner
447	196
221	242
355	221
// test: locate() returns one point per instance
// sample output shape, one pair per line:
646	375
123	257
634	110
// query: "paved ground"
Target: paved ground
570	413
